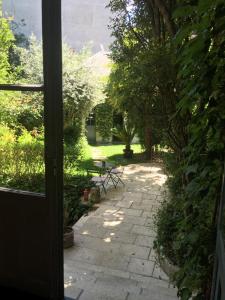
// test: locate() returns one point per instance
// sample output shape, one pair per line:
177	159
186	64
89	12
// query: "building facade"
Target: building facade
84	21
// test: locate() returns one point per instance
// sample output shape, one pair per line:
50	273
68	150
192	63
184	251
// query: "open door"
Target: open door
31	225
218	285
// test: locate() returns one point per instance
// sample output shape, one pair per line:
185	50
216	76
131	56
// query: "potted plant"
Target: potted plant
125	133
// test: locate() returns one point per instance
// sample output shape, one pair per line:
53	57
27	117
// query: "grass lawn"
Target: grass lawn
114	153
111	153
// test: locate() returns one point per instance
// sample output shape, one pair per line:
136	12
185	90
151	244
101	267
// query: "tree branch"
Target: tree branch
166	16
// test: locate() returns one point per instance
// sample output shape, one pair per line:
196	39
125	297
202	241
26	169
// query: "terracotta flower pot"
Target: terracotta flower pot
68	237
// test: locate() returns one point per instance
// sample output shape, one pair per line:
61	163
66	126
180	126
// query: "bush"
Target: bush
21	155
32	182
185	229
73	190
104	120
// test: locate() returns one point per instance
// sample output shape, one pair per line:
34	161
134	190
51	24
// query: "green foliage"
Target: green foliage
190	213
30	65
104	120
173	88
125	132
20	155
78	92
143	78
6	39
73	190
74	155
21	118
80	89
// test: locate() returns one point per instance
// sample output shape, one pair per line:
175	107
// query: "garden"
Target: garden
21	121
167	85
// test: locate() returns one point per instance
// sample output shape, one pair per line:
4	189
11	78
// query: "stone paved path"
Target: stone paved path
113	256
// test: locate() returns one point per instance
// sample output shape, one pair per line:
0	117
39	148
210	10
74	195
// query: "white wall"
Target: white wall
83	21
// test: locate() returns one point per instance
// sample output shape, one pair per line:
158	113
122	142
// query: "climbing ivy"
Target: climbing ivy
104	120
189	217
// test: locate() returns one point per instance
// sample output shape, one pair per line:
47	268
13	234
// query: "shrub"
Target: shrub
21	155
104	120
73	190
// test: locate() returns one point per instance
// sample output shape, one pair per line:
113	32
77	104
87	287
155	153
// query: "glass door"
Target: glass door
31	249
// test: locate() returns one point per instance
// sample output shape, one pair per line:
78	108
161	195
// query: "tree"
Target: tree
143	81
169	56
6	39
80	89
125	133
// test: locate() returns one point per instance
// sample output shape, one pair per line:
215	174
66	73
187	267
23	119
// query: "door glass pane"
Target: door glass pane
22	141
25	52
21	113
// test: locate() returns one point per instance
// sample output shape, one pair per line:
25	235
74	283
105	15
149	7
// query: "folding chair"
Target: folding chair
93	170
115	175
100	181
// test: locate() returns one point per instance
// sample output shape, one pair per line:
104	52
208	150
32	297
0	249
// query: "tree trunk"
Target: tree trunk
166	16
148	142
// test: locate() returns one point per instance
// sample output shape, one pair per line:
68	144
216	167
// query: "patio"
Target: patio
113	256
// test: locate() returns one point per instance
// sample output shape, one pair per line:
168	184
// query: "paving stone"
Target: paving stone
82	264
148	282
110	202
135	251
120	236
79	280
158	273
118	273
132	195
81	221
151	295
139	297
117	262
72	291
130	212
147	202
120	284
105	210
155	208
117	225
144	240
93	269
125	203
147	207
150	222
153	256
149	197
143	230
90	230
90	256
97	295
141	266
148	214
96	244
92	219
160	294
101	258
134	220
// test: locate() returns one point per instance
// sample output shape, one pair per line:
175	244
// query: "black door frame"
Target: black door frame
218	284
53	122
